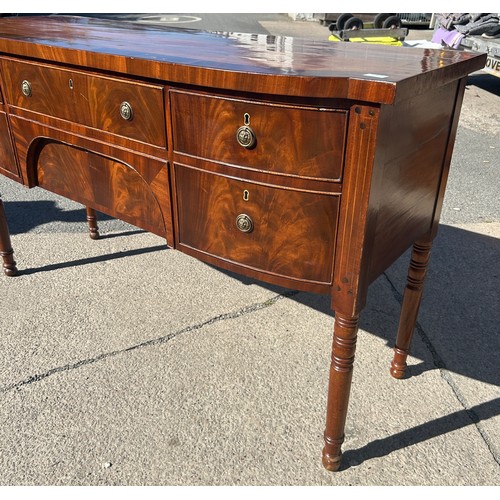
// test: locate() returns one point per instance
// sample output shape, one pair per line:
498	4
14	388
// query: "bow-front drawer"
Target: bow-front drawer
121	107
285	233
301	141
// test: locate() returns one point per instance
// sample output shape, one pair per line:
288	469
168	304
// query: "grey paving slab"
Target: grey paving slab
103	296
459	319
194	397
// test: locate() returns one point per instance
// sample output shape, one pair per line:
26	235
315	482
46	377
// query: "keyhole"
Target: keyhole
246	195
246	119
71	84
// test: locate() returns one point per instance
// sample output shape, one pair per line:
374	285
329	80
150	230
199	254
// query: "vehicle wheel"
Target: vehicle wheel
392	22
332	27
341	20
353	23
378	22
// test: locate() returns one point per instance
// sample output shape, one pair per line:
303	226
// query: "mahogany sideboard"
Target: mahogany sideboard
306	164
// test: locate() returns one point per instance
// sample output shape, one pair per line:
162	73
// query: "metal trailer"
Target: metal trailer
388	36
377	20
386	29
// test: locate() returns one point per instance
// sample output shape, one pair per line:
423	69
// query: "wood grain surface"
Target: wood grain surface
117	182
293	234
87	99
8	164
298	141
409	167
278	65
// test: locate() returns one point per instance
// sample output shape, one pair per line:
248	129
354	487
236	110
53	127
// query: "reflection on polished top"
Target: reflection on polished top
168	51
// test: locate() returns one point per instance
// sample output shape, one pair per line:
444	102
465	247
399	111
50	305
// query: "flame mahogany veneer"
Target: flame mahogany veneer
340	164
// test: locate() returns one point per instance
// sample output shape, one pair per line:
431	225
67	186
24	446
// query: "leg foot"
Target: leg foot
411	303
398	364
6	251
92	221
343	348
332	461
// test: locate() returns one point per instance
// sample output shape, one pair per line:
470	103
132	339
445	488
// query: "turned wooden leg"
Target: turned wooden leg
344	345
6	251
92	220
411	303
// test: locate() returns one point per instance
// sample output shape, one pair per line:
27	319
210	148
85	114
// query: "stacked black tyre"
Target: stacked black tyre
349	22
386	21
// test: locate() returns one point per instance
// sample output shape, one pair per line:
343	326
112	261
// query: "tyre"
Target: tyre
341	20
392	22
353	23
378	22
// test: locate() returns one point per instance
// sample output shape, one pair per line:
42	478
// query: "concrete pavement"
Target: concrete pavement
125	363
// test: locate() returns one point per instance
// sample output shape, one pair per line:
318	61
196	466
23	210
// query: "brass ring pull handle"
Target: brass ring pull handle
126	111
26	88
245	135
244	223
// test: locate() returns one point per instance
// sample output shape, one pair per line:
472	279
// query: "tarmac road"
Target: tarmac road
128	364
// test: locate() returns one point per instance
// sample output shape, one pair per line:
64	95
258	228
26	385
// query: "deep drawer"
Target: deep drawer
97	181
279	231
88	99
290	140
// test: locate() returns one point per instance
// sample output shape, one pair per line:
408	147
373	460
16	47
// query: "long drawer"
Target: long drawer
121	107
292	140
282	232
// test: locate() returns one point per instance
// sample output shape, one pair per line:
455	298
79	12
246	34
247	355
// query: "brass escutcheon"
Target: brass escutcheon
245	135
244	223
126	111
26	88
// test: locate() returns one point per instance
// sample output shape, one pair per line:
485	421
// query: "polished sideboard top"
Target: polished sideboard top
267	64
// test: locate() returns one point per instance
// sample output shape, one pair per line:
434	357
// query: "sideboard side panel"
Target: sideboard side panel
449	152
8	162
411	151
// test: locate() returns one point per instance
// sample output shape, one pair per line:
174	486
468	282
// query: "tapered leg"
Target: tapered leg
92	220
6	251
411	303
344	345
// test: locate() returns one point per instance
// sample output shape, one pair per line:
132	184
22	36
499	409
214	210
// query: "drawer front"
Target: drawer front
111	186
7	158
300	141
118	182
87	99
287	233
